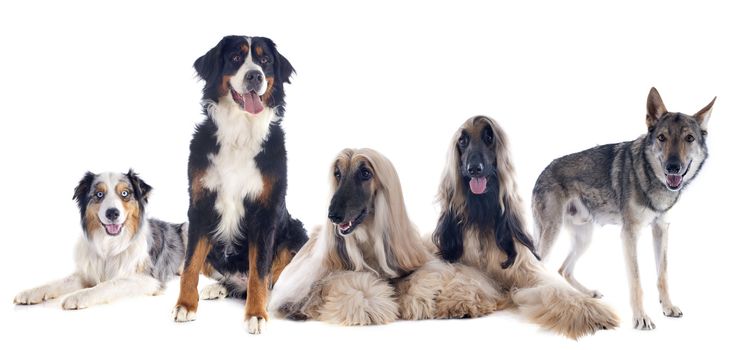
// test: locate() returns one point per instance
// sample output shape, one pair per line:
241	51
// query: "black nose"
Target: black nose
254	78
112	214
336	218
474	169
673	168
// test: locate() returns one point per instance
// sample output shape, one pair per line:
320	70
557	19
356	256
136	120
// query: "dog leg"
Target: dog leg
49	291
547	218
660	244
640	319
258	289
581	237
185	310
112	290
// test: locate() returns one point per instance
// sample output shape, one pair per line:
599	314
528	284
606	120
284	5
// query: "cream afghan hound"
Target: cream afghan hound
369	265
481	225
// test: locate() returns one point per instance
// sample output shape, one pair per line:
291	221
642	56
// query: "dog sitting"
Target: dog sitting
632	184
369	265
122	253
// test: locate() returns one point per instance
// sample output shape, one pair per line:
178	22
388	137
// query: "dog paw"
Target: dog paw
643	323
31	297
672	311
76	301
181	314
213	291
255	325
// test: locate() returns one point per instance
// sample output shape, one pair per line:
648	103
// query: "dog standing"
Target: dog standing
122	253
240	231
632	184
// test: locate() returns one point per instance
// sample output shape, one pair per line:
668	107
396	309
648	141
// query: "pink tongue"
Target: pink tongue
112	228
252	103
674	180
478	185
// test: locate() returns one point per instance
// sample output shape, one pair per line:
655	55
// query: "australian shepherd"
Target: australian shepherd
121	253
240	230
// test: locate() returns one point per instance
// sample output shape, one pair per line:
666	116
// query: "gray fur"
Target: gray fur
166	249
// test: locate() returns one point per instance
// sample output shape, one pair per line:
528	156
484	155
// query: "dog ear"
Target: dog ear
209	66
81	192
285	68
703	116
141	189
448	236
509	229
656	108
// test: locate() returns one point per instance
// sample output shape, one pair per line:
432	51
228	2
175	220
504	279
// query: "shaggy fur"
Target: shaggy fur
373	268
486	230
122	253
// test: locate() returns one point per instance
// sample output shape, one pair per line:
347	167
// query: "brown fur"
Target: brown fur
280	261
269	84
188	297
224	88
131	208
197	188
266	192
258	287
244	48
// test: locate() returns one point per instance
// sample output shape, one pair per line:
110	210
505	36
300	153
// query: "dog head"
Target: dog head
111	204
249	70
354	191
676	142
477	156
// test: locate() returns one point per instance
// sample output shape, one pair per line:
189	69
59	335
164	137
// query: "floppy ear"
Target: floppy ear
448	236
141	189
285	68
656	108
703	116
509	229
209	65
81	192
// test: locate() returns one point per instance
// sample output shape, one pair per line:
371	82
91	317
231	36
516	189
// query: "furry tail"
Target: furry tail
353	298
558	307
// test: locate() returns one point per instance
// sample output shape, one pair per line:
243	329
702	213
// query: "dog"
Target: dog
240	231
630	184
481	225
122	253
370	265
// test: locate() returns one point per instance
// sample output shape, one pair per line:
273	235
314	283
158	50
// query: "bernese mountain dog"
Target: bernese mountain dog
240	231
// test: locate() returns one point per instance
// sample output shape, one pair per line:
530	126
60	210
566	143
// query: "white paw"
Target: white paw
672	311
643	322
76	301
181	314
255	325
213	291
595	294
31	297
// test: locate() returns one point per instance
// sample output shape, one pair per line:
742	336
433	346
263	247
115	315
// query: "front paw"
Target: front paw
214	291
672	311
76	301
181	313
255	324
31	297
642	322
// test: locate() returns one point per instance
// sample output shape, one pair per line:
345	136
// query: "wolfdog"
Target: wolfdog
630	184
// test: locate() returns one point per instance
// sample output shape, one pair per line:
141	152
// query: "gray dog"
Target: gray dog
632	184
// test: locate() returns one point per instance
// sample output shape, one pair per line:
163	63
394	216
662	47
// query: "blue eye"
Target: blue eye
124	194
100	194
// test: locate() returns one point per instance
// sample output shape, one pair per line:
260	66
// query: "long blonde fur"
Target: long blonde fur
380	272
540	295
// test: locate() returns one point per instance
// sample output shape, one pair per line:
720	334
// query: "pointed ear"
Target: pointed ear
656	109
140	188
209	65
703	116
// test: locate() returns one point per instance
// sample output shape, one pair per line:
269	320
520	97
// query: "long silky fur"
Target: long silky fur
345	280
509	258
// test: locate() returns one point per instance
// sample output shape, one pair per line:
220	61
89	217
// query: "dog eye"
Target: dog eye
236	58
662	138
100	194
337	174
124	194
365	174
690	138
488	139
265	60
463	142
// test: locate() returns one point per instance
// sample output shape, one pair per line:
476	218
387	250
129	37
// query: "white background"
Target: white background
102	87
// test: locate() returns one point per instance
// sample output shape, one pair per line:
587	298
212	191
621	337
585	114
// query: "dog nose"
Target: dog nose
112	214
475	169
254	77
335	218
673	168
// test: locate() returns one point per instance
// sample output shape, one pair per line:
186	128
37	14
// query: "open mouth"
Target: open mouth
250	101
478	185
346	228
112	229
674	182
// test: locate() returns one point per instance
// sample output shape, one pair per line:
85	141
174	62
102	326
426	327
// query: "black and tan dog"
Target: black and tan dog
632	184
239	225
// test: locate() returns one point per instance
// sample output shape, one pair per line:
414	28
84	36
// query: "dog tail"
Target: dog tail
555	305
353	298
